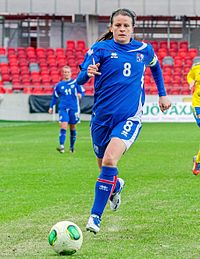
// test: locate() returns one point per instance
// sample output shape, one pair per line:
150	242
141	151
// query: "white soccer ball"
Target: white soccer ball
65	237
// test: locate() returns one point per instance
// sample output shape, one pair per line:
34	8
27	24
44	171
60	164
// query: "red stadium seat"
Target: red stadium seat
172	53
2	90
162	52
80	44
192	53
188	61
153	90
163	44
182	53
185	90
155	45
176	79
60	51
2	51
70	44
178	63
167	79
11	51
17	86
174	45
186	69
176	90
48	90
50	51
183	45
69	52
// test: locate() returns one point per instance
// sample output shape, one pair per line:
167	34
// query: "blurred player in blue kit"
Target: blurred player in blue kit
69	94
118	63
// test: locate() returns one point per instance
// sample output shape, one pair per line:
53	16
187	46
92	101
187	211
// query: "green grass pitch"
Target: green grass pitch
160	210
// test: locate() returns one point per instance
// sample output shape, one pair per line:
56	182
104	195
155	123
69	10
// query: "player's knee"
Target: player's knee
109	160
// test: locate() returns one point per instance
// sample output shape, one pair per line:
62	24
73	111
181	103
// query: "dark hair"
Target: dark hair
126	12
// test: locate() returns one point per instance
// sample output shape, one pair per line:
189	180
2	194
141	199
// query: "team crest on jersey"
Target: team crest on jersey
90	52
72	86
140	57
114	55
62	87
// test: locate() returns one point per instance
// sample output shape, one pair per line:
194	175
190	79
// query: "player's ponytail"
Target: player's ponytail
106	36
126	12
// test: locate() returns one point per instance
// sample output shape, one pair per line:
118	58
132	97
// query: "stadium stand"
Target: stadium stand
37	70
45	40
176	61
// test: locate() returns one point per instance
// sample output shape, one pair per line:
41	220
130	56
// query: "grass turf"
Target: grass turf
159	215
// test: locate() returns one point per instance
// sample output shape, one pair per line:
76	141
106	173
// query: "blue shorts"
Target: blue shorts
127	131
196	112
70	116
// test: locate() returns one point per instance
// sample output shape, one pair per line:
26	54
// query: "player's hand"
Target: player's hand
50	110
79	96
164	103
192	85
93	70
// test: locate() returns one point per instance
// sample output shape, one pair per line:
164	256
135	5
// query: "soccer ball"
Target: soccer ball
65	237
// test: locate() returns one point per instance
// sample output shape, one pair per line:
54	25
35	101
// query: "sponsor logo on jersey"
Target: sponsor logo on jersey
114	55
90	52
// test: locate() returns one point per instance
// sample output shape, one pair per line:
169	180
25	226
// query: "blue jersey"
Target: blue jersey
119	90
67	91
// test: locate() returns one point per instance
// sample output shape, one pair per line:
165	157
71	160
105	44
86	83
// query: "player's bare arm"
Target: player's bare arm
164	103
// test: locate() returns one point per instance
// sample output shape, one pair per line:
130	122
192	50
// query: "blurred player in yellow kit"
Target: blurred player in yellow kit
193	79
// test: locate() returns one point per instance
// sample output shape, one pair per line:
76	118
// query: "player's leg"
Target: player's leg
128	131
72	137
196	113
63	120
106	180
196	166
99	162
196	159
73	120
107	185
113	153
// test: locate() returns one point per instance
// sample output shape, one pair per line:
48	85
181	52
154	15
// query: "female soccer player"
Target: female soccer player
69	94
193	79
118	63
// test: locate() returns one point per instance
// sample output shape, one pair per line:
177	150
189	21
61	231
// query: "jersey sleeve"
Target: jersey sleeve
151	59
55	96
190	76
156	71
80	89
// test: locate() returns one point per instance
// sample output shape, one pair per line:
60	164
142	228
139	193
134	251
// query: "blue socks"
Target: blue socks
72	138
62	136
117	187
105	185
